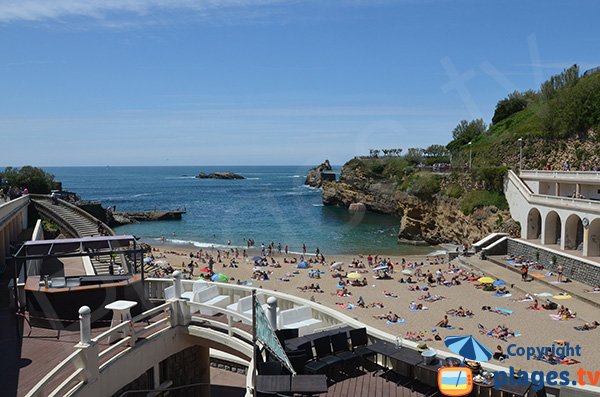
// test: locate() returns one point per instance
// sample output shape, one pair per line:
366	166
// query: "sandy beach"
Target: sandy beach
534	328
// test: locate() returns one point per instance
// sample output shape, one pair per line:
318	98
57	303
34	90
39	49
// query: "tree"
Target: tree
36	180
414	155
465	132
567	78
513	103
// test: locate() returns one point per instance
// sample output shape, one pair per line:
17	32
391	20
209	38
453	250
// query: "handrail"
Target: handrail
10	208
566	175
39	387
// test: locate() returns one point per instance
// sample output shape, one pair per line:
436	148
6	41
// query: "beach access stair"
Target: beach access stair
75	222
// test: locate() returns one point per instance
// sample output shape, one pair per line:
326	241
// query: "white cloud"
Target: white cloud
42	10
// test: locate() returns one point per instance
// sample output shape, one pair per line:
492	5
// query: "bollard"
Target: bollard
85	328
177	283
272	312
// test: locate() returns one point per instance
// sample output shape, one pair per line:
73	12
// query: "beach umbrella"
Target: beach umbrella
302	265
499	282
336	265
205	270
380	268
468	347
220	277
148	259
486	280
256	258
354	276
408	272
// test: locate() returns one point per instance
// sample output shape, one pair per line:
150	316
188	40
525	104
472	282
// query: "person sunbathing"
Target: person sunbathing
593	290
390	294
549	305
535	305
460	312
589	326
499	353
444	323
393	318
377	305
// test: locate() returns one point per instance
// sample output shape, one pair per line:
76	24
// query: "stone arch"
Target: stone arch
573	233
594	238
552	228
534	224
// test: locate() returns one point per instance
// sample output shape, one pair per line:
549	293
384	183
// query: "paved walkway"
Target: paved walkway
586	304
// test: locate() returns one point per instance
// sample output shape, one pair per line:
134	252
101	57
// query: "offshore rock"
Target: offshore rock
315	177
219	175
357	207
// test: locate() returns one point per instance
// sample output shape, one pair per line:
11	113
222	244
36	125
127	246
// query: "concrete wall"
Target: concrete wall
576	269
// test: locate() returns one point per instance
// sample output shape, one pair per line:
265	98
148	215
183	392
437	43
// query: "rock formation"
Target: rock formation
314	176
219	175
435	221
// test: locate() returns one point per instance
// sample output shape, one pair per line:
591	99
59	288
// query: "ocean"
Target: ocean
270	205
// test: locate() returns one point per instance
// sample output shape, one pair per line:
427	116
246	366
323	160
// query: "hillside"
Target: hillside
559	122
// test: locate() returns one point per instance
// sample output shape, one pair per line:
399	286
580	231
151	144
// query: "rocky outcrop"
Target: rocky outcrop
437	220
219	175
314	176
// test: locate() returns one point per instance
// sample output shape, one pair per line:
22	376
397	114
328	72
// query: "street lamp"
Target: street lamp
520	155
470	154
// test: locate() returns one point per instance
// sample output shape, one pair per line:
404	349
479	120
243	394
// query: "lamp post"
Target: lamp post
470	154
520	155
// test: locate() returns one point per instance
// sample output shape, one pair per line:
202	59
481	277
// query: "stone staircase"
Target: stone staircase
74	223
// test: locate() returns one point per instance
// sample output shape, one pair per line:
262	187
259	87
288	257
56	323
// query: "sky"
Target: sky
240	82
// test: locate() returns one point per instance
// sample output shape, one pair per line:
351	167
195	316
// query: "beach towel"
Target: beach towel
503	310
539	308
397	322
562	296
247	283
555	282
543	294
503	295
558	317
538	275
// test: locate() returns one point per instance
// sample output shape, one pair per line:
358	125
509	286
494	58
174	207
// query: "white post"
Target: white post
177	283
272	311
85	328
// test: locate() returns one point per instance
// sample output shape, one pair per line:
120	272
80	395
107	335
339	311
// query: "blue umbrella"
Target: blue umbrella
468	347
499	282
257	258
302	265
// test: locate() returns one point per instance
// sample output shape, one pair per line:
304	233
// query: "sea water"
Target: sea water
271	205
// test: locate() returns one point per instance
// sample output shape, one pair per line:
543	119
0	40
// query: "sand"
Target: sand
536	327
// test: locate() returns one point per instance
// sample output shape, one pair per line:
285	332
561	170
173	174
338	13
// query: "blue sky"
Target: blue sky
177	82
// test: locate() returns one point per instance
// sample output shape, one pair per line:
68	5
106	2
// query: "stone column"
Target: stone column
577	189
586	240
557	189
203	371
563	233
272	312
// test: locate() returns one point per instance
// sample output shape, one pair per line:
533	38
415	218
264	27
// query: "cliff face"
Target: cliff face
313	177
436	220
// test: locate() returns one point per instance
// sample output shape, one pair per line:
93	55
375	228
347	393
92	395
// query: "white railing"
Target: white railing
552	201
89	360
10	208
560	175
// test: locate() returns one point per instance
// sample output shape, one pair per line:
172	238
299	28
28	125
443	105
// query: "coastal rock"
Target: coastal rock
219	175
433	221
314	177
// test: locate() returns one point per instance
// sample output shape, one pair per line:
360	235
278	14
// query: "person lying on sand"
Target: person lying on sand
588	326
377	305
534	306
460	312
501	332
490	309
593	290
389	294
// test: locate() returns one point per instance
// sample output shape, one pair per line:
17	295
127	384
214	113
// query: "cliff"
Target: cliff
434	218
314	176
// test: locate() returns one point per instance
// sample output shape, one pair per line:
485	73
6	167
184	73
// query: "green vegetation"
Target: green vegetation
36	180
482	198
422	184
50	227
455	191
491	177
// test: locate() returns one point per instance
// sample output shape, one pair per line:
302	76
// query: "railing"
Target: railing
574	175
93	355
552	201
12	207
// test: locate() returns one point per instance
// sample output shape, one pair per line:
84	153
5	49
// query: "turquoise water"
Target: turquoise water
271	205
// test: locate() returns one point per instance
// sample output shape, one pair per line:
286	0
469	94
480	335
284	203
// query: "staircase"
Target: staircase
74	222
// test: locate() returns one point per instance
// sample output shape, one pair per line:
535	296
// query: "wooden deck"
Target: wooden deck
371	384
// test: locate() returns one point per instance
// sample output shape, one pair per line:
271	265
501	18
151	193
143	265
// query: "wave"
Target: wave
438	252
318	205
200	244
252	179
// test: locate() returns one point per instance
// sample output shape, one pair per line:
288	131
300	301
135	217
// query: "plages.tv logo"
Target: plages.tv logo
458	381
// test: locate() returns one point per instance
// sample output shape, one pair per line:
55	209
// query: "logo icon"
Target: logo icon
455	381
